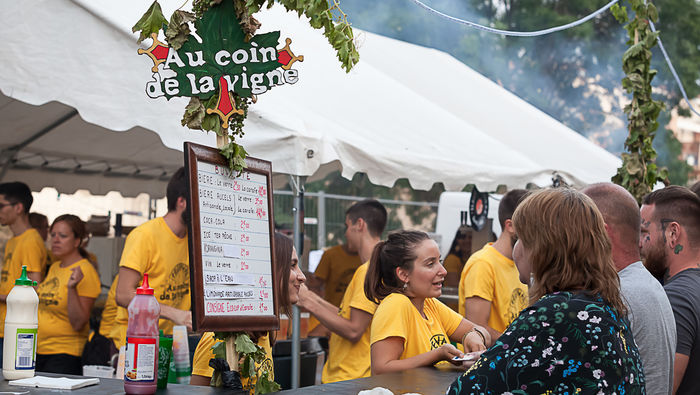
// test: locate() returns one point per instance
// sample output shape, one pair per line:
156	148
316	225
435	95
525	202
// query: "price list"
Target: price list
235	242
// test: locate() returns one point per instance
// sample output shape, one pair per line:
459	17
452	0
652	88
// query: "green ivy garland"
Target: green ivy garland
322	15
638	173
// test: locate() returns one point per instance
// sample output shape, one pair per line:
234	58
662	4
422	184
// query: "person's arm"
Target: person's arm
196	379
36	276
126	289
386	354
679	366
320	331
327	314
478	311
79	307
466	333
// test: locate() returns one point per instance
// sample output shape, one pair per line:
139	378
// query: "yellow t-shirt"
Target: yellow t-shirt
347	360
203	353
109	313
336	269
154	249
396	316
493	277
453	264
27	249
56	335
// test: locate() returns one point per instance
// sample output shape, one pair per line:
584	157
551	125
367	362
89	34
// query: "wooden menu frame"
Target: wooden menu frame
206	315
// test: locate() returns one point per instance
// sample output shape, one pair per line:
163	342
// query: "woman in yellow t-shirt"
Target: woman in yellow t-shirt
460	251
289	280
411	328
66	297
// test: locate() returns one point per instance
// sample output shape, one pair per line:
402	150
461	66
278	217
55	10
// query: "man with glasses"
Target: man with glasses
670	247
25	248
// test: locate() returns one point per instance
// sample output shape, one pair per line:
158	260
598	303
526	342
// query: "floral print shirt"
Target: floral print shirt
566	343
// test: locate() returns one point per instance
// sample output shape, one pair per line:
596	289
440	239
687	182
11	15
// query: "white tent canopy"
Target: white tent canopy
385	118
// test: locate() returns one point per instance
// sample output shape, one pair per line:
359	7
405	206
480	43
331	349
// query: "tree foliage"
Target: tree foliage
573	75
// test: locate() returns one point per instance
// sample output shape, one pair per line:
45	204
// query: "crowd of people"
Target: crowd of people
582	292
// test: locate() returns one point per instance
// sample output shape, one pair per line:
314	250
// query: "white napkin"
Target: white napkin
62	383
376	391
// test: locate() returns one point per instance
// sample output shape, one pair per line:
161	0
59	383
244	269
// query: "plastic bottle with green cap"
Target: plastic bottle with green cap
21	324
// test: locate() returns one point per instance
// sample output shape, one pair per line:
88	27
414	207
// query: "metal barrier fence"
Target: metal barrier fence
324	215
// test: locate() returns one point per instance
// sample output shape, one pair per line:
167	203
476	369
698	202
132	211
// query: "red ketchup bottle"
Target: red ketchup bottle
141	362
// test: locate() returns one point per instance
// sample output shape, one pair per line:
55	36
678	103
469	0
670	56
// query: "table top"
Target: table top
425	381
106	386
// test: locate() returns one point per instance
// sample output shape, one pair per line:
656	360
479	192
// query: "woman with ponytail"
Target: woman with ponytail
411	328
66	297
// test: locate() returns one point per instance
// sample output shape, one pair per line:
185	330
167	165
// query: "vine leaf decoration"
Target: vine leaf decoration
639	172
253	363
151	22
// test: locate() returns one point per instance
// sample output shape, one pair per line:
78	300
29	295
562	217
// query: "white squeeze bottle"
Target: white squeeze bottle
21	323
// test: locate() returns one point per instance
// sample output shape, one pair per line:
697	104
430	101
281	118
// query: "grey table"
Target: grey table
106	386
426	381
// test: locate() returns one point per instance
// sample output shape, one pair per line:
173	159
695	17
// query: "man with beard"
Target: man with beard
490	292
159	248
670	246
648	308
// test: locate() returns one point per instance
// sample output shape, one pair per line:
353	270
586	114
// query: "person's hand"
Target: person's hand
474	341
473	357
75	277
448	351
184	317
305	295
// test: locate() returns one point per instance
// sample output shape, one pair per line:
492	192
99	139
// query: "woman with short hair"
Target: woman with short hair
574	338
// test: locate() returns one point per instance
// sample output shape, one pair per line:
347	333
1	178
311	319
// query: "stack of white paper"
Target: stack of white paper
62	383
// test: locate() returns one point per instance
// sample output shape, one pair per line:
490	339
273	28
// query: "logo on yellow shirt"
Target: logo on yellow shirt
518	301
437	340
178	285
5	267
48	292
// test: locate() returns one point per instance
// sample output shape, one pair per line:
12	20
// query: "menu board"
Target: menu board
231	244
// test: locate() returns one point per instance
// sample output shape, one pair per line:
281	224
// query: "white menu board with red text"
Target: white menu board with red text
235	235
231	265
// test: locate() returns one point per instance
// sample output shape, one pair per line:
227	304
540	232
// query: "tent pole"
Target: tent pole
297	183
14	150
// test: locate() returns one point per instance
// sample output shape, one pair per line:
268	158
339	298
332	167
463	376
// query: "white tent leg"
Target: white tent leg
297	183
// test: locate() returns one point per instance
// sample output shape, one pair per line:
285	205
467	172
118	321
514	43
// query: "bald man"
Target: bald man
649	310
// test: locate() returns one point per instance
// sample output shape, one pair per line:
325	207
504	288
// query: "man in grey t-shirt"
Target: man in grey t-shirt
649	310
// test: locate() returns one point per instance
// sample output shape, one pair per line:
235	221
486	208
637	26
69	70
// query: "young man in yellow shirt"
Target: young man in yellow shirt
159	248
349	348
490	292
25	248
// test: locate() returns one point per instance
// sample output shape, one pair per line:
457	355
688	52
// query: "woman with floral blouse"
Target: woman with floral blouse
574	338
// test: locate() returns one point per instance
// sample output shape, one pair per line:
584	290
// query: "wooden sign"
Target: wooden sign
231	248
